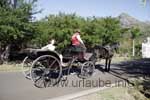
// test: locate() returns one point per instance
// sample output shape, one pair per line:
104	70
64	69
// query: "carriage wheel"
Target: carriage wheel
26	67
70	65
87	70
4	57
46	71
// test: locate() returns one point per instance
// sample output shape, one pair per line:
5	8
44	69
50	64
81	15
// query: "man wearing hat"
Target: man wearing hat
77	43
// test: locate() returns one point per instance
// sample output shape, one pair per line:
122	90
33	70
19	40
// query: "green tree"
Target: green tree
59	27
111	30
96	31
15	21
135	33
92	30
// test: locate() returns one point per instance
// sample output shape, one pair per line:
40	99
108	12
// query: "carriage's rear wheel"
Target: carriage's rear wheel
87	69
4	57
46	71
26	67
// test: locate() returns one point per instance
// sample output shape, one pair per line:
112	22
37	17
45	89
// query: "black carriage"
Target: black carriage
45	69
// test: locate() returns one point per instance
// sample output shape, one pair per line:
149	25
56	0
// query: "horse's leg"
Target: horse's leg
106	64
109	65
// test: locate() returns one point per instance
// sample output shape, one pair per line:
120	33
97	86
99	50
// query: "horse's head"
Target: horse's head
115	46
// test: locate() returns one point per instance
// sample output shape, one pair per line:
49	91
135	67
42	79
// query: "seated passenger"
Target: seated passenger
52	47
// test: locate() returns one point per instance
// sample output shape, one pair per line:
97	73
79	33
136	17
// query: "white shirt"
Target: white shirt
49	47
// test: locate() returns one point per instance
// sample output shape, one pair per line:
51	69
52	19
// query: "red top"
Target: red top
75	40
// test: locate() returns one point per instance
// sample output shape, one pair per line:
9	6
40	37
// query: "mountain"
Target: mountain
128	21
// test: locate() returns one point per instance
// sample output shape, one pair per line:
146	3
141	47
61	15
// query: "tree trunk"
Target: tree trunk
1	62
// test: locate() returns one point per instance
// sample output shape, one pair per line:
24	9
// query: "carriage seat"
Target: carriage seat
34	53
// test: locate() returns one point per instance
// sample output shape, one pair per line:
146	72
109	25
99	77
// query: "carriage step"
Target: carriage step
65	64
67	58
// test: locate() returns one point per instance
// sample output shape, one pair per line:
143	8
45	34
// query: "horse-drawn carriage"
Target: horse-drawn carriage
45	69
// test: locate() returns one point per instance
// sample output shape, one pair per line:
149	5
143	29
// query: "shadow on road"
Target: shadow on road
134	68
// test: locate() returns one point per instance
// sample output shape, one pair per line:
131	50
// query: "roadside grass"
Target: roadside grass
115	93
139	90
10	67
142	84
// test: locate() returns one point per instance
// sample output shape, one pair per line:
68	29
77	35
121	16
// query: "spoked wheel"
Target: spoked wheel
26	67
4	57
46	71
87	70
70	65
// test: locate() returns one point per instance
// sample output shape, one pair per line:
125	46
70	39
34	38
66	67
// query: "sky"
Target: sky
98	8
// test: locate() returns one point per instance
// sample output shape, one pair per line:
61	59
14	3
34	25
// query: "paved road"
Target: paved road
13	86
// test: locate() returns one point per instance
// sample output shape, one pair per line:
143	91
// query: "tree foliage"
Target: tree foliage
135	32
15	25
96	31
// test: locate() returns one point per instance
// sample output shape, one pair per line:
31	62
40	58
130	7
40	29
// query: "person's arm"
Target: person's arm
79	38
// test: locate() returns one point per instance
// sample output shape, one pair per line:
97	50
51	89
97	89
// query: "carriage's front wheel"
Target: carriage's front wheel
46	71
87	70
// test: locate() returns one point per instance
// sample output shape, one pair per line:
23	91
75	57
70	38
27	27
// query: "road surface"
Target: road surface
14	86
